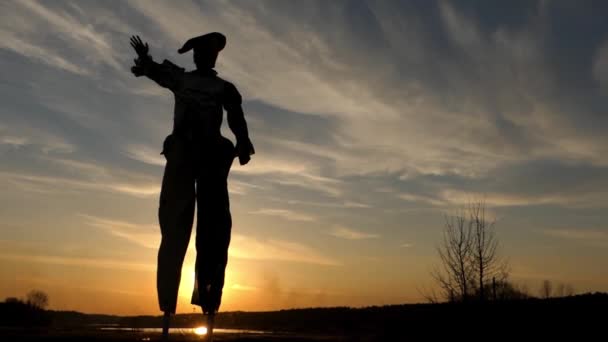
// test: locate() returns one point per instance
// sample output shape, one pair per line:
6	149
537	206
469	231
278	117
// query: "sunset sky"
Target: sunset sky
371	120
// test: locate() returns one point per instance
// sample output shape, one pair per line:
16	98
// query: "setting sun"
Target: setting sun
200	331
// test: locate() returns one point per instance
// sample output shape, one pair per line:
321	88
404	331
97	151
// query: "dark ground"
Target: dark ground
99	336
577	318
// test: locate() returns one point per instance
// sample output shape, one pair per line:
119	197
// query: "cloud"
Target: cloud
589	236
351	234
285	168
11	42
145	235
145	154
420	198
97	174
22	135
284	214
14	141
138	190
80	261
549	182
245	247
72	30
333	204
242	188
42	26
274	164
502	199
60	184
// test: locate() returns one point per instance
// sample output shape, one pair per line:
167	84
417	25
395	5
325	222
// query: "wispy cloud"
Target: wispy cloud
14	141
589	236
291	170
277	250
285	214
138	190
145	154
332	204
242	188
59	184
277	164
588	199
10	42
351	234
75	32
21	135
145	235
80	261
420	198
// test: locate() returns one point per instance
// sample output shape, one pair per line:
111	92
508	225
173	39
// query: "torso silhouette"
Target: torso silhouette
200	97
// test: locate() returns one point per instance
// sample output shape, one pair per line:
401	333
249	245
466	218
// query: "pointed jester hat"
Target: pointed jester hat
213	41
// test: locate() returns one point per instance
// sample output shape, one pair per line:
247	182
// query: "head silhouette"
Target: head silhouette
206	49
205	58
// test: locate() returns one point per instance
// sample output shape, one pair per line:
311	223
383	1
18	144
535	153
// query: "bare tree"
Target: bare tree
560	290
546	289
470	263
38	299
486	262
569	292
455	273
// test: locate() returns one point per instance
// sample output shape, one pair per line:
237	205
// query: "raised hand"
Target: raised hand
139	46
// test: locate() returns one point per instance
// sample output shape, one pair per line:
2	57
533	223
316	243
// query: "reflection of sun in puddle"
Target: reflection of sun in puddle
200	331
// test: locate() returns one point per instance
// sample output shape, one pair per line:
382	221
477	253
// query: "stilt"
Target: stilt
166	322
210	324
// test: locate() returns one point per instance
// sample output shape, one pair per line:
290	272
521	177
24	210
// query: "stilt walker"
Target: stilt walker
198	162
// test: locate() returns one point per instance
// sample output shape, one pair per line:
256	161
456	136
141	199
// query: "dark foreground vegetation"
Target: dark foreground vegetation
578	316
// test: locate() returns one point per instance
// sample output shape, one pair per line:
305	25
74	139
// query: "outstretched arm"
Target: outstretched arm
167	74
237	123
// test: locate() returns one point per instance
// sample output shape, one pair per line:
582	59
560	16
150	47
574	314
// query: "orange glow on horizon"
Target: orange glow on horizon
200	331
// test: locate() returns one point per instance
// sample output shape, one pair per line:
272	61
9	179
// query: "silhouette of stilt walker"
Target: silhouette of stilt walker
196	154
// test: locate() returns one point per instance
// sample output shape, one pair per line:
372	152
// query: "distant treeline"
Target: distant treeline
17	313
581	312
